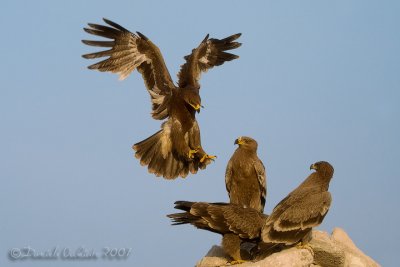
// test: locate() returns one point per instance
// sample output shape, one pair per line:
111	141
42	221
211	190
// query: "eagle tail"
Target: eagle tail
156	152
203	215
183	205
186	217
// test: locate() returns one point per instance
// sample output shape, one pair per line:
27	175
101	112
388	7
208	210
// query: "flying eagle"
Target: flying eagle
175	149
245	176
234	222
305	207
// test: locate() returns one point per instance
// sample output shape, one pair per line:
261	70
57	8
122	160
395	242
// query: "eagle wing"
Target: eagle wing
130	51
245	222
295	216
262	180
210	53
304	213
228	177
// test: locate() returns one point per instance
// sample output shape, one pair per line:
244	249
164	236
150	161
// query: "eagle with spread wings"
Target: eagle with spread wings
176	149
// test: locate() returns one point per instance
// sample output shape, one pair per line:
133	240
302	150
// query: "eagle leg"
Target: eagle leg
300	245
304	244
231	245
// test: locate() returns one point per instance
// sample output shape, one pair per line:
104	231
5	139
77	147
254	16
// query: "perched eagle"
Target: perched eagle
237	223
175	149
245	176
305	207
291	220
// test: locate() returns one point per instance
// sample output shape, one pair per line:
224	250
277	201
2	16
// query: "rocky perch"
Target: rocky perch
334	250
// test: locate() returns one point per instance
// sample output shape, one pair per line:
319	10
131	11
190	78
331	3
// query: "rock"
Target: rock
326	252
354	256
290	257
336	250
215	257
293	257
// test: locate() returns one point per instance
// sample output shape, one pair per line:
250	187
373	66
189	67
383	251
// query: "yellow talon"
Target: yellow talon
304	245
237	262
206	156
191	153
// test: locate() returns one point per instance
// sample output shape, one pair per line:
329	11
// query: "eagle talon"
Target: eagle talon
237	262
206	156
191	153
303	245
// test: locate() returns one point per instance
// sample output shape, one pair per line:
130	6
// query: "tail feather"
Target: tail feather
161	163
182	218
154	164
183	205
186	217
162	159
146	148
148	154
198	214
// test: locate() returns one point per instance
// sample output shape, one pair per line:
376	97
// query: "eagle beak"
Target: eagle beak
238	141
313	167
196	107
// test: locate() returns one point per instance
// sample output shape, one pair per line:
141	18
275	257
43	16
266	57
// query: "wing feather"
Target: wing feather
228	177
295	217
130	51
210	53
262	180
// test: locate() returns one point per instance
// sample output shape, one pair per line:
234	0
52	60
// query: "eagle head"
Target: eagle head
322	167
246	142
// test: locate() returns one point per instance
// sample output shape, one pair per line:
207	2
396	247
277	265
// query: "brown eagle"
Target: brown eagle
245	180
226	219
291	220
245	176
175	149
305	207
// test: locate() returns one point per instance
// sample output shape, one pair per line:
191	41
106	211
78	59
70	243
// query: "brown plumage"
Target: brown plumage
305	207
234	222
245	180
175	149
245	176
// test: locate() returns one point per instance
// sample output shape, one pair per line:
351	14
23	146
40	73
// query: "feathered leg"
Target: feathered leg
231	245
202	158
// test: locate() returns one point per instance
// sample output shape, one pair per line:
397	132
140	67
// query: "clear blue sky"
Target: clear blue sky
316	80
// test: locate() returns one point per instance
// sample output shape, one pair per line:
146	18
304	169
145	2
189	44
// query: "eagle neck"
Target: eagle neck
249	151
317	180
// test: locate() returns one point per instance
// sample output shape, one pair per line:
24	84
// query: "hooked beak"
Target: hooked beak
196	107
238	141
313	167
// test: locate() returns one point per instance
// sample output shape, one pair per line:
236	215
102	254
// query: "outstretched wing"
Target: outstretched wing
130	51
210	53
